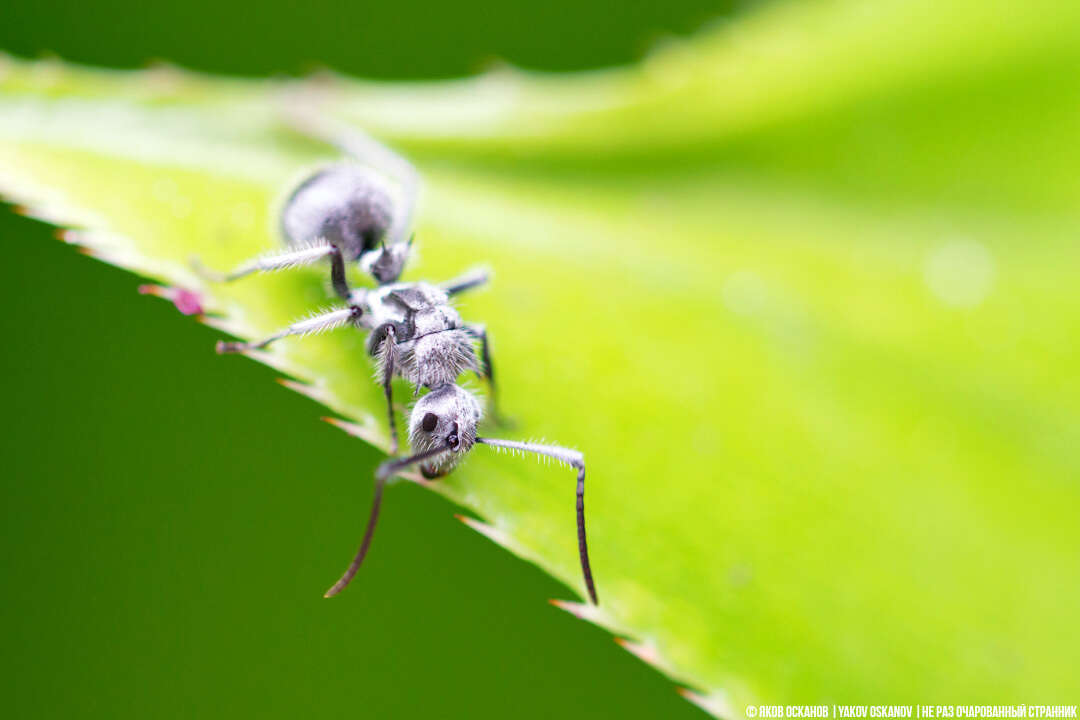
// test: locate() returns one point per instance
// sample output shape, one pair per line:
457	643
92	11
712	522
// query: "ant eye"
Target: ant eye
452	441
429	422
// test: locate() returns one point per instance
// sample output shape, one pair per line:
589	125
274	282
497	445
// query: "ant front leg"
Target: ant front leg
316	324
487	372
386	335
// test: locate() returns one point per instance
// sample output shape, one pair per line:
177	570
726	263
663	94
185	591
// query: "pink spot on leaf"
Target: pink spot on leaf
186	301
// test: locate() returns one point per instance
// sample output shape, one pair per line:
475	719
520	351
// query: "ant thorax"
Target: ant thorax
432	345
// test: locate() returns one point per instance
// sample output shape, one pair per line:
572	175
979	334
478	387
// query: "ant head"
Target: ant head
386	263
446	417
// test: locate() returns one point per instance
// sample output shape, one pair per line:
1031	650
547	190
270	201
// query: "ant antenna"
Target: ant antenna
382	474
575	460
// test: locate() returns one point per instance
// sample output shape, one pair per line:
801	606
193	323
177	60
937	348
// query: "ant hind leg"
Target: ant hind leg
277	261
337	275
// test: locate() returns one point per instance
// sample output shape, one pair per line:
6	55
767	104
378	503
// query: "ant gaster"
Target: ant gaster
344	213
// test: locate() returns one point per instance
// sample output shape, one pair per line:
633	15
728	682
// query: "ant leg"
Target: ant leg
387	336
382	474
487	371
314	324
576	460
277	261
468	281
337	275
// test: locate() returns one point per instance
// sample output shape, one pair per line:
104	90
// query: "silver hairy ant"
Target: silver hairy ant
343	213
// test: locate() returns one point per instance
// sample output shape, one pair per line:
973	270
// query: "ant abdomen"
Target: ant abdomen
346	205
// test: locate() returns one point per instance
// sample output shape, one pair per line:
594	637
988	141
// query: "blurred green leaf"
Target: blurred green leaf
803	290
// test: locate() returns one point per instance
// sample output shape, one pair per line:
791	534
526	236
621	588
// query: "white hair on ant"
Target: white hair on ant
543	452
324	320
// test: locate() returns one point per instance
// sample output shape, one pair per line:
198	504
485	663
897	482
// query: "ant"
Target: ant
343	212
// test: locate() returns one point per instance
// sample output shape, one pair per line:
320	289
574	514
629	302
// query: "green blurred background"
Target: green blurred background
166	542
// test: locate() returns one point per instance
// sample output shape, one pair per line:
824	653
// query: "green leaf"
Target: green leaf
802	289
